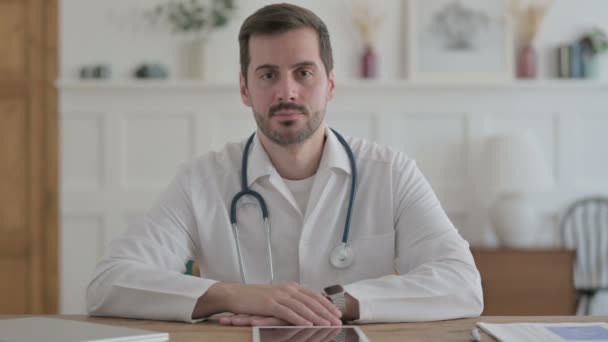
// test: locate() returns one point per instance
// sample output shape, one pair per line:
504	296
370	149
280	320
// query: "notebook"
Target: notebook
547	332
32	329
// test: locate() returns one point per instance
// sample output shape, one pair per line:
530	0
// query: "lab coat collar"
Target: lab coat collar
259	164
334	157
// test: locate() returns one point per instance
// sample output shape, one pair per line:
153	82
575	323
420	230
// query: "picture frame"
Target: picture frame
459	40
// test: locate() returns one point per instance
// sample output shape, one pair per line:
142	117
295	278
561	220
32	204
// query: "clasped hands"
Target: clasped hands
267	305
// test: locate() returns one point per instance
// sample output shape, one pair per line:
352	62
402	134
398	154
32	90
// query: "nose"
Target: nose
287	90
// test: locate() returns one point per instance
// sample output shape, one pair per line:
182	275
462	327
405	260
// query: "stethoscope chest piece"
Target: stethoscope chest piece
342	256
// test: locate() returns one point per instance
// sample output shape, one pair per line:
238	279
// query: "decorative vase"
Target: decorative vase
526	63
369	67
516	221
591	67
192	57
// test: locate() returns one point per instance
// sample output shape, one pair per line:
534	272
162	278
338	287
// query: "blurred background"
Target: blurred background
500	102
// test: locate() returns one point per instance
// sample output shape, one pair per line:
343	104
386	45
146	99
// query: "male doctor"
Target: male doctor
403	260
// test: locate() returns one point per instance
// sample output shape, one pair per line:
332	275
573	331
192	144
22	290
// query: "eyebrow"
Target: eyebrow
294	66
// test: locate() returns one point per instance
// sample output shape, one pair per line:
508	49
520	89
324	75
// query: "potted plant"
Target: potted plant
594	44
195	20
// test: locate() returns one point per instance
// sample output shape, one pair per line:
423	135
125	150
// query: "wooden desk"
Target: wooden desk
527	282
454	330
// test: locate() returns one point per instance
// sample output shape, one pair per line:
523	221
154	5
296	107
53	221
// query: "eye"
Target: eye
267	76
304	73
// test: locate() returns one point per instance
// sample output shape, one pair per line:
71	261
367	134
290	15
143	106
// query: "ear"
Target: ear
244	91
332	86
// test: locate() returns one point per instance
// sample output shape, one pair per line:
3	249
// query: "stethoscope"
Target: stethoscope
342	256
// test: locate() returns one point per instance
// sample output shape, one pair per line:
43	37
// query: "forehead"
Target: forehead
284	48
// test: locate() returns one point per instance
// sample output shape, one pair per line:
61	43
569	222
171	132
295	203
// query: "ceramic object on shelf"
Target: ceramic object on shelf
369	63
526	62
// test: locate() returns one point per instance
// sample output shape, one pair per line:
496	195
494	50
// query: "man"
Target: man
404	260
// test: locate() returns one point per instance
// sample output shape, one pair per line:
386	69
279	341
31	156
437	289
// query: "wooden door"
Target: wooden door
28	156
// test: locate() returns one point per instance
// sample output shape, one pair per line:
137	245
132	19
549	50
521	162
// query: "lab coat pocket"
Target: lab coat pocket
374	257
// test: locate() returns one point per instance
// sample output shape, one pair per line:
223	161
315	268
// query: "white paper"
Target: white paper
64	330
547	332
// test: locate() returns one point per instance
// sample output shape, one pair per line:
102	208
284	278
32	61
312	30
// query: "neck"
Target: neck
297	161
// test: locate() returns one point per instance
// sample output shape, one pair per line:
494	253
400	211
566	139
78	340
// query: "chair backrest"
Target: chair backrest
585	228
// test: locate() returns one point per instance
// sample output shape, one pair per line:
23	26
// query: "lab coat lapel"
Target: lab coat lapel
260	166
333	166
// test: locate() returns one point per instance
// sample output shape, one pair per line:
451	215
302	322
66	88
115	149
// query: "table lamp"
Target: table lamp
515	168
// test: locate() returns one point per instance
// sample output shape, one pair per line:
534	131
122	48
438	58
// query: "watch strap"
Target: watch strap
339	301
337	296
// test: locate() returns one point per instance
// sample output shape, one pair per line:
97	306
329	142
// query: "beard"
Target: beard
285	136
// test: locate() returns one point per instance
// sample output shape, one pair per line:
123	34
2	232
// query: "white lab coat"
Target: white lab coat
410	262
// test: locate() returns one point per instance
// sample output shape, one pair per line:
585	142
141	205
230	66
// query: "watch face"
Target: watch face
334	289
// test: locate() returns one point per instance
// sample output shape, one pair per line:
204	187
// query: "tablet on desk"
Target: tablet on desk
309	334
64	330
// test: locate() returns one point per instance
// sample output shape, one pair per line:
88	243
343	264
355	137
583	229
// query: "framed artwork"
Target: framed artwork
459	40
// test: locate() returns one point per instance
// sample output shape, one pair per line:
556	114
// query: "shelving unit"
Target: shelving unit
555	84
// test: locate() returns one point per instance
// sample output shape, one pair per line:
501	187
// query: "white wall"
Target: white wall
114	32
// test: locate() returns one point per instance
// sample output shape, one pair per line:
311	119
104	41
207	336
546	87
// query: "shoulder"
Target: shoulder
368	152
222	162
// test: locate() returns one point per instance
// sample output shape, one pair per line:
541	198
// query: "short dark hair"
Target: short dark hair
280	18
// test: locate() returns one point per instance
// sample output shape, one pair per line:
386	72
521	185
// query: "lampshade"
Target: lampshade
514	163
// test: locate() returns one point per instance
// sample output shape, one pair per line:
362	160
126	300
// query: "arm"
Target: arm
141	275
437	278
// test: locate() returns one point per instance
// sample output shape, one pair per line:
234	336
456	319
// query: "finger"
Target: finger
268	321
232	320
331	307
243	320
299	306
288	314
227	320
319	309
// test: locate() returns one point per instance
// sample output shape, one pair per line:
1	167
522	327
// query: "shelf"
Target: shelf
69	84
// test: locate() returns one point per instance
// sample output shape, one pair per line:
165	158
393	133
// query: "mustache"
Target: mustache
287	106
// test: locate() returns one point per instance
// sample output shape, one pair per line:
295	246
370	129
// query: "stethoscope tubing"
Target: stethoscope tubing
246	191
353	185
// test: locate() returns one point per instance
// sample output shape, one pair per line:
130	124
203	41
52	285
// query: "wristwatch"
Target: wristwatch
335	293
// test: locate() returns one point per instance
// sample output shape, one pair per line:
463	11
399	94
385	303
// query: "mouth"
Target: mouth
287	114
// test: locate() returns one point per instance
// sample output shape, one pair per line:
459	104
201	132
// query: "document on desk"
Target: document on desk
62	330
547	332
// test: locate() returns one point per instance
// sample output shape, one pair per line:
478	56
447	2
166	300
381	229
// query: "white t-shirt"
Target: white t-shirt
300	189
